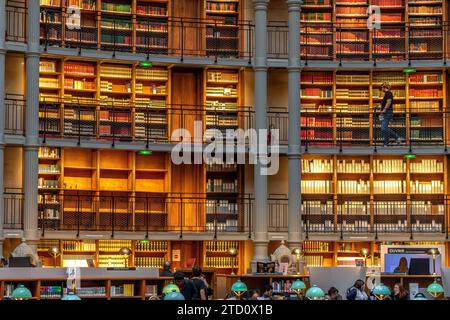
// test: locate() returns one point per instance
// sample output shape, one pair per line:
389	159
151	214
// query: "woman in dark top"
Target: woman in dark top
399	292
402	266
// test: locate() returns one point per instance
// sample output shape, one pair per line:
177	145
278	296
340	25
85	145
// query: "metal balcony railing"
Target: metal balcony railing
15	114
16	21
423	39
175	36
13	208
148	212
115	121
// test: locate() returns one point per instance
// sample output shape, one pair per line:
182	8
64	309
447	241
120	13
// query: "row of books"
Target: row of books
116	7
79	68
389	166
316	246
219	185
216	167
78	84
316	122
427	166
315	16
221	262
126	289
318	208
429	187
316	186
47	152
353	166
48	184
316	78
222	91
147	9
112	260
353	186
230	225
316	93
428	93
113	245
221	207
221	246
221	7
149	262
151	246
353	208
317	166
49	168
389	186
352	36
49	83
73	245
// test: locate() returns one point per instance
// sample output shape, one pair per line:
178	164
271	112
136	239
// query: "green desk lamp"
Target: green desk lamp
435	289
71	296
174	296
315	293
239	288
21	293
381	291
298	286
170	288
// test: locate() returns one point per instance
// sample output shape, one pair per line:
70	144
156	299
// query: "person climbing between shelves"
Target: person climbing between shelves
386	115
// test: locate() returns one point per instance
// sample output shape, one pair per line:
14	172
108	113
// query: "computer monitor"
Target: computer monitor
419	266
19	262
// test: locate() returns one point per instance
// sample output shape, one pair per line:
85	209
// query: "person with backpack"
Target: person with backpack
199	282
356	292
186	286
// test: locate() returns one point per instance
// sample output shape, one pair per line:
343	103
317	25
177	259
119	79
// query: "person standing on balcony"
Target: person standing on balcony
386	114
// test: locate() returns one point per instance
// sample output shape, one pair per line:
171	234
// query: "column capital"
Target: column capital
262	68
260	4
30	147
32	54
3	51
294	4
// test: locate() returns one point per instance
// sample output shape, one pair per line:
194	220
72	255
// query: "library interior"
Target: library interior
93	91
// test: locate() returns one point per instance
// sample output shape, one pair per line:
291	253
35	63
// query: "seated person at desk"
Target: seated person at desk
402	266
187	287
166	270
333	294
357	292
399	292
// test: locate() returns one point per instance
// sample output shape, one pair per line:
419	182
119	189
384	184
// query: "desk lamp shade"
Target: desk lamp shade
298	285
170	288
21	293
174	296
380	291
239	287
435	289
71	296
315	293
420	296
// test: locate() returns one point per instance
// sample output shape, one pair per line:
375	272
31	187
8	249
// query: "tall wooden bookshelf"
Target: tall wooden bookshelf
105	253
420	98
413	24
351	194
390	40
142	26
316	29
103	100
223	179
130	184
222	27
49	182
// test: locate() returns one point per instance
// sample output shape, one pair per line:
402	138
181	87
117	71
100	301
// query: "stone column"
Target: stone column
31	233
294	164
260	181
2	114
